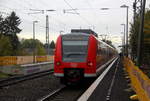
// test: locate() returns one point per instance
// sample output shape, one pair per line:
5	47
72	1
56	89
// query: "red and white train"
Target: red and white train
79	55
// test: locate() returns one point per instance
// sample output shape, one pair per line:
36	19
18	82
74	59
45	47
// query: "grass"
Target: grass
3	75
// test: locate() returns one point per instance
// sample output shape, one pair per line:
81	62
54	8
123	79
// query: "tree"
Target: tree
12	29
11	24
28	45
52	45
146	42
5	46
133	38
40	50
9	27
108	42
1	24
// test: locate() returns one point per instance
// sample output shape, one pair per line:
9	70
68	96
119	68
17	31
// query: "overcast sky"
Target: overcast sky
90	16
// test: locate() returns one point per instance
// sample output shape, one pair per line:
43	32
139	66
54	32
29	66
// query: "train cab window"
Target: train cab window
75	51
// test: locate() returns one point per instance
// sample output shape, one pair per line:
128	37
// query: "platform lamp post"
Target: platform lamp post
124	48
127	7
34	44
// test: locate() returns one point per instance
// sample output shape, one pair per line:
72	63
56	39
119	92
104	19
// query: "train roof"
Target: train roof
76	33
86	31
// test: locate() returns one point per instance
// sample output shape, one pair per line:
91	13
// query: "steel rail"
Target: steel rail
18	79
51	94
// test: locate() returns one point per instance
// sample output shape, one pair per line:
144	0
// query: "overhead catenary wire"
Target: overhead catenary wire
40	11
94	14
55	26
78	13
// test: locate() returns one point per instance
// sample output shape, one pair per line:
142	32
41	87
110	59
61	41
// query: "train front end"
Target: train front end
75	56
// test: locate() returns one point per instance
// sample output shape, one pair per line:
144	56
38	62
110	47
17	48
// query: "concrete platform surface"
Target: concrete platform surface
113	86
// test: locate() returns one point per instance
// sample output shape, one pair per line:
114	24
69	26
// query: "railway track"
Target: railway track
17	79
66	93
52	94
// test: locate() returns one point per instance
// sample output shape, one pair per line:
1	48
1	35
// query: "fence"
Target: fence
13	60
139	81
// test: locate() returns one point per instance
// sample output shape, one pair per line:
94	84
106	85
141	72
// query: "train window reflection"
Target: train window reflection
75	43
75	51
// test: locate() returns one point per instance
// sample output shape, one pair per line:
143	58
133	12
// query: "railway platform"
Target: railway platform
111	87
26	69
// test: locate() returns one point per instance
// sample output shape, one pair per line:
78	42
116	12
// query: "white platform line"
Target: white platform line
112	83
90	90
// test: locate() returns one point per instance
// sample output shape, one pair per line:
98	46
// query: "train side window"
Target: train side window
98	48
99	51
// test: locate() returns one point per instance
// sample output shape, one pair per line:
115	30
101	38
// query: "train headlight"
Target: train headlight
58	63
90	64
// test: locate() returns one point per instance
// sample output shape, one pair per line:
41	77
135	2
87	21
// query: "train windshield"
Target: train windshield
75	51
